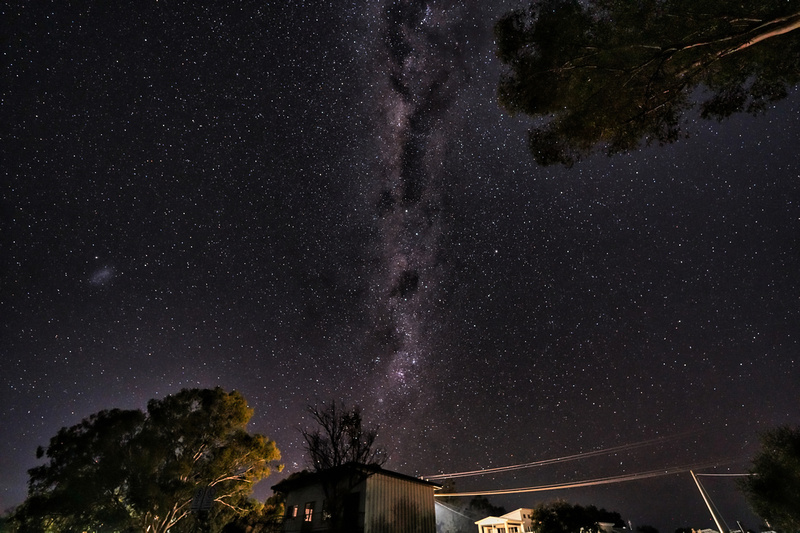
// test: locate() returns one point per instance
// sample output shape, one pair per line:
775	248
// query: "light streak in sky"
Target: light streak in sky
592	482
452	510
574	457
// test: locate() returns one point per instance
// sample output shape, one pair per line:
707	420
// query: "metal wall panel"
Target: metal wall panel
388	504
398	506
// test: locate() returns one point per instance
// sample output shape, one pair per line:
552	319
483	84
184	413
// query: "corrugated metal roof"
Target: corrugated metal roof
307	478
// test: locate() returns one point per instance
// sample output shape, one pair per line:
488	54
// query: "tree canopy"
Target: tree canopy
128	470
262	518
612	74
773	488
563	517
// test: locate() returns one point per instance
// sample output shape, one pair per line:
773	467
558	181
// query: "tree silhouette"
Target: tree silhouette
773	488
134	471
343	453
562	517
340	438
611	74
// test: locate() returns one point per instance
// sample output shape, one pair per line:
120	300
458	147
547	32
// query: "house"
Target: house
370	499
517	521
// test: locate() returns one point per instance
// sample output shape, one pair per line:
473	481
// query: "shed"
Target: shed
366	498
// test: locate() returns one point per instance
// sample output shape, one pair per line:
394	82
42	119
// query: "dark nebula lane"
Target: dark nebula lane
313	200
421	71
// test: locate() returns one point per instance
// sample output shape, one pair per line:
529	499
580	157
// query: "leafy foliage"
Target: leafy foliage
563	517
610	74
773	488
128	470
261	518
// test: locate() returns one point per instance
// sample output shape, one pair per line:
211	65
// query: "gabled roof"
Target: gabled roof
497	520
514	517
305	478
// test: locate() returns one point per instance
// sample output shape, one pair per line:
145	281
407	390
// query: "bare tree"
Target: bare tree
340	438
343	454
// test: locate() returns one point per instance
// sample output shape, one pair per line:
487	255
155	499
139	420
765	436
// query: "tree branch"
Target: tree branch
788	24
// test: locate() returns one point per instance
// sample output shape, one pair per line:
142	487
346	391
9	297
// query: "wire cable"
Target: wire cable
574	457
592	482
723	475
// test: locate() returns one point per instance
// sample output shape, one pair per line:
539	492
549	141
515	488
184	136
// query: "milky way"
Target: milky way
322	200
421	73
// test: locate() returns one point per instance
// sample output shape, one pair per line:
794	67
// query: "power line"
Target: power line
724	475
591	482
574	457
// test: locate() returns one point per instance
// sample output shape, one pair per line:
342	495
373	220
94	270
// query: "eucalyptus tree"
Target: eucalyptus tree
562	517
773	487
610	75
129	470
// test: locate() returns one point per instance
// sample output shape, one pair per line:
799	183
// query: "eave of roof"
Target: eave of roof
309	478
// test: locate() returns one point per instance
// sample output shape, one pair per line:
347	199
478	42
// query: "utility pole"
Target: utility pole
723	528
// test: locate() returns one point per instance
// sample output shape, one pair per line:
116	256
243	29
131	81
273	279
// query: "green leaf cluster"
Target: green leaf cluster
128	470
563	517
611	74
773	487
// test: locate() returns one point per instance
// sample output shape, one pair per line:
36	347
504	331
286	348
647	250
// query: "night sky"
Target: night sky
315	200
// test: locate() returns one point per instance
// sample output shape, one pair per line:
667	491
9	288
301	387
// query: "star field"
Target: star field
305	201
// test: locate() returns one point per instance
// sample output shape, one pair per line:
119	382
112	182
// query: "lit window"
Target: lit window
309	512
291	511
